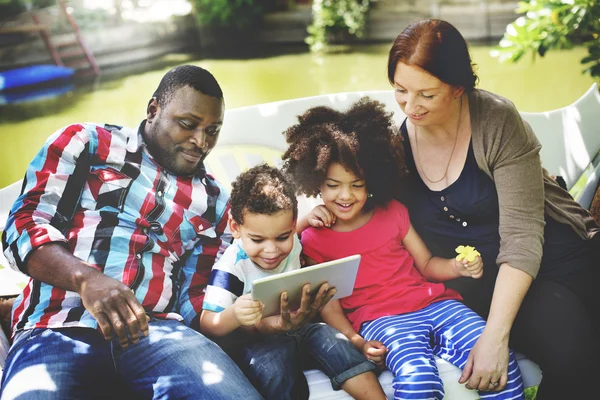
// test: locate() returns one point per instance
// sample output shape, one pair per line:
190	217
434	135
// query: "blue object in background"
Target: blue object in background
34	94
32	75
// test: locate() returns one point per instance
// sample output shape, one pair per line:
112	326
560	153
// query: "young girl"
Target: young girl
398	315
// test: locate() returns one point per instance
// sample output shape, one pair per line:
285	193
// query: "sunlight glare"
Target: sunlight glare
212	374
31	379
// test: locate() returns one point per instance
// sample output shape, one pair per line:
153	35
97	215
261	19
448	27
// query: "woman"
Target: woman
476	179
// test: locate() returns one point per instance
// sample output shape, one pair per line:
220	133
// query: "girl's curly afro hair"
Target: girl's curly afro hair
363	139
262	190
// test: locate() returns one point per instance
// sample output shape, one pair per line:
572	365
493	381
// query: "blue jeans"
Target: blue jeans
172	362
273	363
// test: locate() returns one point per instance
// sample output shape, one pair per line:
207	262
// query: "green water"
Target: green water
545	84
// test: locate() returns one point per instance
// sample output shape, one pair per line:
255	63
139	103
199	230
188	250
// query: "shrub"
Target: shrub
239	14
554	24
336	19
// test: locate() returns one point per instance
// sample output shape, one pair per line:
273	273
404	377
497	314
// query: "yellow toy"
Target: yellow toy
466	253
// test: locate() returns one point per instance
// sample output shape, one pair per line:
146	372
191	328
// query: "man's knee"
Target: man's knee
177	360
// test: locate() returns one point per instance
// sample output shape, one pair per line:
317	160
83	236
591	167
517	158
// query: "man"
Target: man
118	229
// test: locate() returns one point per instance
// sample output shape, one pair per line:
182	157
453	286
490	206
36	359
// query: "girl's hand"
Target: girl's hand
375	351
320	216
473	269
247	311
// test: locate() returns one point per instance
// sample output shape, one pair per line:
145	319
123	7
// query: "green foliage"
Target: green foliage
41	3
335	19
531	392
554	24
12	8
240	14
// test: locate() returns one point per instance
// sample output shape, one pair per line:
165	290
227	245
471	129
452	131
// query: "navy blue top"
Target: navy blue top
467	213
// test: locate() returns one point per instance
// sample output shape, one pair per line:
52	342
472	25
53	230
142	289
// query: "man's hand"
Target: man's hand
247	311
115	307
309	308
473	269
108	300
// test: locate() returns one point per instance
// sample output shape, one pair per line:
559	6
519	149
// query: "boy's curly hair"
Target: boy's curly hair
262	190
362	139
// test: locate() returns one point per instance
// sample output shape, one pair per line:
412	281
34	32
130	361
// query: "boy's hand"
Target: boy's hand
320	216
375	351
247	311
473	269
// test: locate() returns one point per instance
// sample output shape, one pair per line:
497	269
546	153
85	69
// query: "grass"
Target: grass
530	393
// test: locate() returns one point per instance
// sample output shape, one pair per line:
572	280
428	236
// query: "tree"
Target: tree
554	24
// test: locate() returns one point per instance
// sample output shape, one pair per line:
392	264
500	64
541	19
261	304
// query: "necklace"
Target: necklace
451	153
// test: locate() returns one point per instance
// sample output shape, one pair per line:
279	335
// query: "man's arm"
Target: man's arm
34	240
110	302
52	187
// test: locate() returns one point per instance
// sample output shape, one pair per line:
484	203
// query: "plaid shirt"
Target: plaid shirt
97	189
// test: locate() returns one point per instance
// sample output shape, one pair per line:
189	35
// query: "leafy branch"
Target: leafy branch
553	24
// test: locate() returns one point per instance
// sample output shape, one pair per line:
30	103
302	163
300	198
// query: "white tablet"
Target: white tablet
340	274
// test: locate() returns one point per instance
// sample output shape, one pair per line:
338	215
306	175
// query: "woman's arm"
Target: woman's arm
507	150
488	360
511	286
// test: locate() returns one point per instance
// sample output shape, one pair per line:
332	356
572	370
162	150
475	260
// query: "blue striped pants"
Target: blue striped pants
447	329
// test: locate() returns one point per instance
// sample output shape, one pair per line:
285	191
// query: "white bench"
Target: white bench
570	137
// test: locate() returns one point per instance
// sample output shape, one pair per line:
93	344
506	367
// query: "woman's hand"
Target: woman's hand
247	311
473	269
320	216
487	365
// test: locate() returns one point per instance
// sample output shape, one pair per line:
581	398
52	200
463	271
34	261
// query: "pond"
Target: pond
546	83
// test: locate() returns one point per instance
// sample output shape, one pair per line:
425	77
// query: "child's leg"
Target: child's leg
272	364
456	331
341	361
410	356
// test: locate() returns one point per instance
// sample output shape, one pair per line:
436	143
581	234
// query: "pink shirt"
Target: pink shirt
387	283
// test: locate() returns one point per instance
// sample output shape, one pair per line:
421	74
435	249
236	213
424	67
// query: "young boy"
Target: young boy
263	222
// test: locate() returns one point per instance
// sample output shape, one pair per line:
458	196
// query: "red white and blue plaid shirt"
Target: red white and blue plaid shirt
97	189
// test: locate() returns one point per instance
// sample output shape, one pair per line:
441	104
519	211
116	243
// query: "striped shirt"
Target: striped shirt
98	190
232	276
